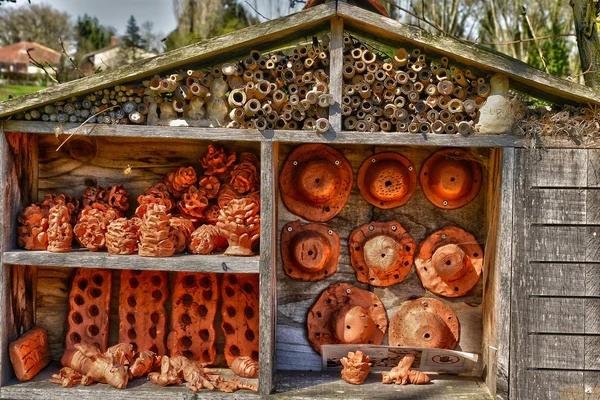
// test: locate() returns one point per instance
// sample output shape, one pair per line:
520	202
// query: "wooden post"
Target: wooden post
336	54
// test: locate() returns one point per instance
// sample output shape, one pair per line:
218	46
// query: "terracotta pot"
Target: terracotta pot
345	314
309	252
387	180
29	353
315	182
451	178
142	314
449	262
425	322
356	367
381	253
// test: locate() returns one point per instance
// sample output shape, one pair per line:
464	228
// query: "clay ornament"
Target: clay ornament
33	228
29	353
157	237
496	116
143	363
216	162
206	239
315	182
451	178
67	377
193	203
309	252
345	314
387	180
122	236
239	223
179	180
425	322
402	374
245	367
356	367
60	232
449	262
155	194
381	253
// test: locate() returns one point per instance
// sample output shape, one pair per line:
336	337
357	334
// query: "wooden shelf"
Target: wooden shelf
329	385
40	388
178	262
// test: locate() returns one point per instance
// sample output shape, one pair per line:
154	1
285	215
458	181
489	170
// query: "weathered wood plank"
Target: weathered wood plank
522	76
592	249
592	353
179	262
336	81
558	206
593	168
555	351
22	301
559	243
261	36
592	280
557	168
557	315
268	267
554	385
553	279
591	385
593	205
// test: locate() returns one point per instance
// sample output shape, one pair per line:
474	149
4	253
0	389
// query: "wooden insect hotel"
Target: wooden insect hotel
221	217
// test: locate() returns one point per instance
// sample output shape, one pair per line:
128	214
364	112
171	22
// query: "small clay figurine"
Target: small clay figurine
157	237
122	236
495	116
143	363
60	232
193	203
29	353
179	180
216	162
356	367
210	185
402	375
33	228
206	239
67	377
245	367
183	228
239	222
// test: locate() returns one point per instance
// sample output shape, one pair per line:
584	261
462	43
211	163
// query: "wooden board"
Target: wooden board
419	217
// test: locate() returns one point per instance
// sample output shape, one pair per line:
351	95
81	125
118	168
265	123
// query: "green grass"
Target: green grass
16	91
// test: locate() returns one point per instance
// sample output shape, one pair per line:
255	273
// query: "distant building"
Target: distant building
110	56
14	60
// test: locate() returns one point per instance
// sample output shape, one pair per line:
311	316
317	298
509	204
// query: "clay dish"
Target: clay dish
315	182
387	180
381	253
345	314
309	252
449	262
451	178
424	322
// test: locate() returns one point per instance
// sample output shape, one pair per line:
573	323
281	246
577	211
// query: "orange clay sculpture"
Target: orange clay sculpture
143	363
211	214
381	253
67	377
157	237
206	239
226	194
245	175
60	232
245	367
193	203
156	194
402	374
309	252
33	228
216	162
91	229
29	353
183	228
210	185
239	223
179	180
356	367
122	236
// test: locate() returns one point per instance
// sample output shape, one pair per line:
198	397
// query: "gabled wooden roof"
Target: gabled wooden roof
301	24
374	5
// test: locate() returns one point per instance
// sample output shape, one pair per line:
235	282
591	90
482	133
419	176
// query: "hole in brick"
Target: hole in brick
229	291
130	318
233	279
204	335
131	301
156	280
408	249
456	289
475	254
396	276
153	349
249	335
133	283
361	268
82	284
202	311
152	332
131	334
248	288
155	317
205	282
93	330
254	355
249	312
157	295
75	338
234	351
187	300
319	314
206	356
77	318
185	319
189	281
95	292
97	279
231	311
405	263
93	310
207	294
79	300
134	346
188	354
185	342
228	329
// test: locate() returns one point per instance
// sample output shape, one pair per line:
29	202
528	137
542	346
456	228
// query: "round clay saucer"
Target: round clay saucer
345	314
451	178
309	252
387	180
315	182
449	262
381	253
424	322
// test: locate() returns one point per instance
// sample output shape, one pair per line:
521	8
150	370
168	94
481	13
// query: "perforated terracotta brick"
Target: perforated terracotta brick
240	316
89	308
194	306
29	353
142	314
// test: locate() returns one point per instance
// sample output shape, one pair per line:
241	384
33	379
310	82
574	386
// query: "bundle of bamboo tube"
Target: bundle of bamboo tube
408	92
262	91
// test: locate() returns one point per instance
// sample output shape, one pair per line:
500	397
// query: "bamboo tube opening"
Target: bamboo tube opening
441	74
424	127
401	114
413	127
288	75
260	123
349	90
432	116
362	126
483	90
312	97
438	127
377	87
293	125
178	105
388	95
415	53
262	89
298	115
445	87
361	114
460	79
450	128
455	106
401	127
250	63
369	78
252	107
412	75
349	71
322	125
255	55
347	100
480	81
459	93
376	98
417	67
356	102
350	123
479	101
444	61
464	128
376	111
368	57
418	86
380	75
401	77
271	116
366	105
469	106
356	53
280	124
400	58
308	63
399	102
459	117
346	110
389	110
413	96
309	124
360	66
446	116
237	98
326	100
425	76
237	114
278	98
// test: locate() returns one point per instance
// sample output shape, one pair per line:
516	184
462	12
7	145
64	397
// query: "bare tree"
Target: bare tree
585	14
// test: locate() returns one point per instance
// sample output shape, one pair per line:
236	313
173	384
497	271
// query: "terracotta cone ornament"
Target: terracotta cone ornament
315	182
449	262
309	252
381	253
425	322
387	180
451	178
345	314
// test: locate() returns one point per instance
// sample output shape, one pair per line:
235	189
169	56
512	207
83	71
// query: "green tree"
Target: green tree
132	43
90	35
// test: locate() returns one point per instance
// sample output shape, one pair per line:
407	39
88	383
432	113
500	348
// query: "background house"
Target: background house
15	65
111	56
